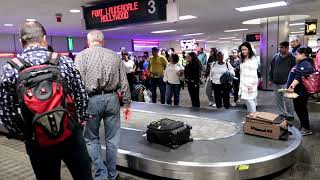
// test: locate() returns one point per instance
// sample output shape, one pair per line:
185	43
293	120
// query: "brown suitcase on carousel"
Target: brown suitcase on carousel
267	125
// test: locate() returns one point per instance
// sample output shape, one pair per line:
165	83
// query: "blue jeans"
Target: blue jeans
173	90
104	107
155	82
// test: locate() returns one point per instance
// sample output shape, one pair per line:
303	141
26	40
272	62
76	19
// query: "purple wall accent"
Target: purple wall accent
6	43
59	43
79	44
116	44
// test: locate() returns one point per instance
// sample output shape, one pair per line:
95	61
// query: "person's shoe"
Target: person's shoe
233	104
305	132
212	104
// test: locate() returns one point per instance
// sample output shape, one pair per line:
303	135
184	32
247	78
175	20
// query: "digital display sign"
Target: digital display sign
124	12
310	27
189	44
253	37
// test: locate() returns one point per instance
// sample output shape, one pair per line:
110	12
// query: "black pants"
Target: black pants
130	77
46	162
158	82
301	108
221	92
236	84
194	94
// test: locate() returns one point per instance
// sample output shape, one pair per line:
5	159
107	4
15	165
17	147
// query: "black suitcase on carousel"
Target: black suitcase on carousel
169	132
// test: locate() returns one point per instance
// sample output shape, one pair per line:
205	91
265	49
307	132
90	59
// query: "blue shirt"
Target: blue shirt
302	68
37	55
202	58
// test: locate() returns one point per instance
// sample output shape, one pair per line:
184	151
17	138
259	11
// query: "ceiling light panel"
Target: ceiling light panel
262	6
194	34
163	31
187	17
235	30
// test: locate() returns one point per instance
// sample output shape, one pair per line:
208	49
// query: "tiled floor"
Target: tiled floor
15	165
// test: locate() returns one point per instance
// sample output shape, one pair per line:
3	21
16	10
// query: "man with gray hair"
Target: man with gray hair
45	159
103	75
295	44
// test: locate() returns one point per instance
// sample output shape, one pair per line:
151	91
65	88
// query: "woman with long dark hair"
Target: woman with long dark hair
208	85
248	89
303	67
192	77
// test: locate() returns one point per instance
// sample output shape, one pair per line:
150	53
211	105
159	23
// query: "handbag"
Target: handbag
312	82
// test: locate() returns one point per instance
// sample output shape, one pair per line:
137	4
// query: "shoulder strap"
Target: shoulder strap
53	58
227	65
17	63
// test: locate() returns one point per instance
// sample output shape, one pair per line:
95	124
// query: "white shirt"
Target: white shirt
170	74
217	70
128	66
248	88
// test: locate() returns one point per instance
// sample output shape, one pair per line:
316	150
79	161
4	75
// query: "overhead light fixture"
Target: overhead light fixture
187	17
296	32
8	25
223	42
301	28
163	31
194	34
75	11
297	24
212	41
227	38
30	20
201	40
235	30
236	39
262	6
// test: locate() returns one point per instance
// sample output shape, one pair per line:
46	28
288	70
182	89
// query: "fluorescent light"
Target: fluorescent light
8	25
187	17
194	34
252	21
301	28
213	41
75	11
236	39
201	40
262	6
223	42
296	24
163	31
235	30
296	32
227	38
30	20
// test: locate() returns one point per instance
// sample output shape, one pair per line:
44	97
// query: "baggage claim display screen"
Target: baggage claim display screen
124	12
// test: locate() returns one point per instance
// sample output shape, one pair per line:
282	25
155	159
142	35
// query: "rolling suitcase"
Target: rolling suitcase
169	132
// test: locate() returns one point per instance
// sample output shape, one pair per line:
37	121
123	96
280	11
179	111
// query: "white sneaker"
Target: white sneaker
213	105
233	104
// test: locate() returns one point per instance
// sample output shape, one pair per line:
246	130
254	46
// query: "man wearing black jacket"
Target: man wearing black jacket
281	65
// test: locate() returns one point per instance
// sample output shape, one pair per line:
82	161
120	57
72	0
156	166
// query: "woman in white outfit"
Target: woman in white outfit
248	89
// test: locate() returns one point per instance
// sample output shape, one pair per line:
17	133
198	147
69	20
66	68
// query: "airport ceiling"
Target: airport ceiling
214	16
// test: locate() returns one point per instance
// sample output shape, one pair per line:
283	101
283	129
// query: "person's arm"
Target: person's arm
271	70
231	70
76	85
165	74
125	90
164	62
9	115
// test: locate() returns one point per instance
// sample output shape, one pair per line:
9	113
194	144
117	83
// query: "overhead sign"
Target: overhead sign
310	27
124	12
253	37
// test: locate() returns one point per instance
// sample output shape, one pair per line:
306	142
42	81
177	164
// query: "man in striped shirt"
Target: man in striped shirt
103	74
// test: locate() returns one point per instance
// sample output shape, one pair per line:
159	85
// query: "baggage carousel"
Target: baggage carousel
220	149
